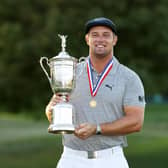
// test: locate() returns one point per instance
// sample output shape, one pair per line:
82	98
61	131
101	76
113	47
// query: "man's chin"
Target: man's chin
100	55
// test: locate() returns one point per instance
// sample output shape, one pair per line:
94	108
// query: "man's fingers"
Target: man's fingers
56	98
85	130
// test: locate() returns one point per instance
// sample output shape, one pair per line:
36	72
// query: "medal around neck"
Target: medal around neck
93	103
94	89
62	81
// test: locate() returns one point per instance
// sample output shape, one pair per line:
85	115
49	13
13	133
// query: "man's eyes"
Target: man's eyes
94	35
104	35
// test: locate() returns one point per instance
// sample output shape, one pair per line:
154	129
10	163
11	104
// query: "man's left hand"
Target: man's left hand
85	130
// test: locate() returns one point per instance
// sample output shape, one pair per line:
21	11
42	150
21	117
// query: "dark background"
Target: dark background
29	28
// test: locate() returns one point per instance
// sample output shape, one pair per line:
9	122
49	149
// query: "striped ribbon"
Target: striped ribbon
108	67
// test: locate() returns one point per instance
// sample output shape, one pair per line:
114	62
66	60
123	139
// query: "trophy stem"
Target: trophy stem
64	97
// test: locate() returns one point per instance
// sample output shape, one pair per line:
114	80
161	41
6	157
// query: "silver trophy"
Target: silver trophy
62	81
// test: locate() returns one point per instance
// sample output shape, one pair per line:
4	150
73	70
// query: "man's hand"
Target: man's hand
54	100
85	130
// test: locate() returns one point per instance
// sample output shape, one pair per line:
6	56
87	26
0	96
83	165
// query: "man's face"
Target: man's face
101	40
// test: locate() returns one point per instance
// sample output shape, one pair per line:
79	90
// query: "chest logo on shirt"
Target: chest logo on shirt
109	86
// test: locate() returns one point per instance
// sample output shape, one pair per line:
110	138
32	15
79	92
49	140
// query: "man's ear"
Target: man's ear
87	39
115	39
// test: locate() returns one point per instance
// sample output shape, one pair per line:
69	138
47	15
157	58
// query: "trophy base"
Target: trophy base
61	129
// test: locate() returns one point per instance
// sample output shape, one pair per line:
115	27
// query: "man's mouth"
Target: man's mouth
100	46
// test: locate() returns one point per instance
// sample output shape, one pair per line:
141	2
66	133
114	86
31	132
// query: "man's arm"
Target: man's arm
131	122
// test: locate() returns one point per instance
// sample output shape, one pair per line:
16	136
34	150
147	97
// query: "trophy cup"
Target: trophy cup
62	81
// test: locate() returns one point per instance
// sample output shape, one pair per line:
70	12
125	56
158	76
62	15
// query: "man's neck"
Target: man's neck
100	63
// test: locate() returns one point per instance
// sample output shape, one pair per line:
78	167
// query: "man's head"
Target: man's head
101	37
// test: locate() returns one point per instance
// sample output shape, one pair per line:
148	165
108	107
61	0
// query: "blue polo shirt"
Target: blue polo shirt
121	87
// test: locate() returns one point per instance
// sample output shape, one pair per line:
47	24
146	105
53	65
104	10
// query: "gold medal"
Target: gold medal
93	103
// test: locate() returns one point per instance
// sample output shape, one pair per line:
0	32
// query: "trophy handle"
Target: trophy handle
82	59
42	66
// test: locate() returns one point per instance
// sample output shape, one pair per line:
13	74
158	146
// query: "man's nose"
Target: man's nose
100	38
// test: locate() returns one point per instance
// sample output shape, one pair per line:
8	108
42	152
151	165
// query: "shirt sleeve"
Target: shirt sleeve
134	92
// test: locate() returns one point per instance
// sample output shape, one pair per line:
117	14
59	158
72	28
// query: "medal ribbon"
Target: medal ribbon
94	90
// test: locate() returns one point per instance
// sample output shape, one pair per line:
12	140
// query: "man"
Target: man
109	103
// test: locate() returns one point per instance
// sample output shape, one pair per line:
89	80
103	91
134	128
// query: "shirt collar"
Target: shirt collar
114	68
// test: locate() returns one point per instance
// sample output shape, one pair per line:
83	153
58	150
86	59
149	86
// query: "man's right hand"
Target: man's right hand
54	100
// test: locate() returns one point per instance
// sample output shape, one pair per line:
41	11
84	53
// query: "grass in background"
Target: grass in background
26	143
149	148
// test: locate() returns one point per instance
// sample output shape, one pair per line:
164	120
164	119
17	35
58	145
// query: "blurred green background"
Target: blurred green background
26	143
28	31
